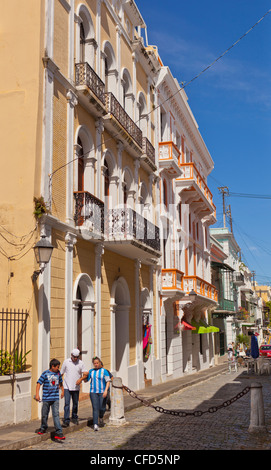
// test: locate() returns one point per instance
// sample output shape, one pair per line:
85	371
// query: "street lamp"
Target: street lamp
43	251
192	295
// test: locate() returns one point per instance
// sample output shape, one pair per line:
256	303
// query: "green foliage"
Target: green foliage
40	207
242	339
12	363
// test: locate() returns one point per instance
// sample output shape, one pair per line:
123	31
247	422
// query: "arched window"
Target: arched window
85	47
110	72
165	198
81	166
143	114
127	93
106	179
82	43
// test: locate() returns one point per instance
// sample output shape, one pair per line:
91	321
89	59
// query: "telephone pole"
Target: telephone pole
225	192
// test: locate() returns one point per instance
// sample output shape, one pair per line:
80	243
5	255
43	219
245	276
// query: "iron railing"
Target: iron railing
13	341
114	107
148	149
90	209
85	75
126	224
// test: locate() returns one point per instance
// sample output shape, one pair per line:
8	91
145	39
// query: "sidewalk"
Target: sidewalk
19	436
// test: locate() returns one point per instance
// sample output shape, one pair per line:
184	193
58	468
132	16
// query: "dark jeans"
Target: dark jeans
68	395
98	405
46	405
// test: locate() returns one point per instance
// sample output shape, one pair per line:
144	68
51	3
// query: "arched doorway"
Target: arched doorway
83	318
120	308
147	328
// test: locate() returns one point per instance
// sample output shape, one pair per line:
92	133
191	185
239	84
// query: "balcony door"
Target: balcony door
81	166
82	43
85	48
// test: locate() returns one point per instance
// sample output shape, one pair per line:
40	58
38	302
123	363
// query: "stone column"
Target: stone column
99	251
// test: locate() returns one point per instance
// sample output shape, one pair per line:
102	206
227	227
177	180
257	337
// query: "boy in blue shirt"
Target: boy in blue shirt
51	381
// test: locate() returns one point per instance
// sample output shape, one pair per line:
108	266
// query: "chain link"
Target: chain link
183	414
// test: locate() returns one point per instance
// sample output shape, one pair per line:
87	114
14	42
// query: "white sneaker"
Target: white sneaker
96	427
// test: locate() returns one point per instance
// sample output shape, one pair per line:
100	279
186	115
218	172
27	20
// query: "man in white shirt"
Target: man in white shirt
73	369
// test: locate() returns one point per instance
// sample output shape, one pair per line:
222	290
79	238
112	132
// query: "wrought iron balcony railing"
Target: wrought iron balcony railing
114	107
148	149
89	210
85	75
123	224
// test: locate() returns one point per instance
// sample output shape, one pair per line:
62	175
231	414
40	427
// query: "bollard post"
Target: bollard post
257	420
117	403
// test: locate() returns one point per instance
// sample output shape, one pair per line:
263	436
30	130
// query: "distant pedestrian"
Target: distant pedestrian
51	382
73	369
99	385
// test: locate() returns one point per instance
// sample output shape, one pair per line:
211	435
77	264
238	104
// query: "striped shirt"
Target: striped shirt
50	381
98	378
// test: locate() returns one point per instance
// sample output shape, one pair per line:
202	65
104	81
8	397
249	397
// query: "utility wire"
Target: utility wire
170	97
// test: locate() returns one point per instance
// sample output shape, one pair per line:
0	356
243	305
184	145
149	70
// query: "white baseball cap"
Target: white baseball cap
75	352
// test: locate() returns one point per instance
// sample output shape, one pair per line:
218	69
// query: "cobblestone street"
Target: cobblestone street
146	429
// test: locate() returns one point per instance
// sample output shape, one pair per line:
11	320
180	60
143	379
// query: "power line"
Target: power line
170	97
253	196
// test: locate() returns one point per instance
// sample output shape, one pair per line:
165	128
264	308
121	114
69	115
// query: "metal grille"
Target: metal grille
13	341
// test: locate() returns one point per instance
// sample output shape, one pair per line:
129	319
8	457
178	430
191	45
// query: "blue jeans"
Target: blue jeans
68	395
98	405
46	405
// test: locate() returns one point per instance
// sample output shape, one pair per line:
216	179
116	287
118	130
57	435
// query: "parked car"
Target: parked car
265	350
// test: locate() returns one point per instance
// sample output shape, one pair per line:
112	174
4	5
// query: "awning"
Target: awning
211	328
202	327
187	325
199	329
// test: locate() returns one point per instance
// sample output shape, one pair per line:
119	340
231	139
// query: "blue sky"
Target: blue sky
231	103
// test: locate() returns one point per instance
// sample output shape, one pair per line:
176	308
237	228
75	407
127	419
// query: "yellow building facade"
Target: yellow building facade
96	127
77	95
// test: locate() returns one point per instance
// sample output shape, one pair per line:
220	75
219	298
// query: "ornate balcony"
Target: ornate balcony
198	193
172	282
90	88
148	156
238	279
89	212
201	287
169	157
119	121
131	234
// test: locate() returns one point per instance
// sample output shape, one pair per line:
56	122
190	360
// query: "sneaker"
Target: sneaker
41	431
75	421
60	437
96	427
65	424
101	422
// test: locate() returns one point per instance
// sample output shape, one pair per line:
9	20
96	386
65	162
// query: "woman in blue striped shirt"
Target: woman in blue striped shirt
99	385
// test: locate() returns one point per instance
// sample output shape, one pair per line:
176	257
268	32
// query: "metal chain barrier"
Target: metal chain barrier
183	414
